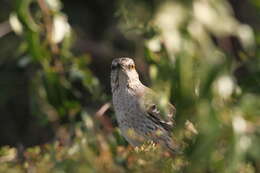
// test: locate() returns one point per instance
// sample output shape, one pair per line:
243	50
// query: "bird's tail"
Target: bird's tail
172	146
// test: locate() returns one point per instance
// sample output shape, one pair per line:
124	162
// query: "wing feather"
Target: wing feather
164	118
154	114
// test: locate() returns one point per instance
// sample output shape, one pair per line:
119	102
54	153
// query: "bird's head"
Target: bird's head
123	73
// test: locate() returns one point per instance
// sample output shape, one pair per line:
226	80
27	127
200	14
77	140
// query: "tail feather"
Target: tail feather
168	143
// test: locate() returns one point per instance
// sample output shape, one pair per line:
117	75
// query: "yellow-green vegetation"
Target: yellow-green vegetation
201	55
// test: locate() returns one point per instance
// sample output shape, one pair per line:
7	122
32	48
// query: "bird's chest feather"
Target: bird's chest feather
126	104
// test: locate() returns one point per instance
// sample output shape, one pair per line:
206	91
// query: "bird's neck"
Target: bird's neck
131	83
134	83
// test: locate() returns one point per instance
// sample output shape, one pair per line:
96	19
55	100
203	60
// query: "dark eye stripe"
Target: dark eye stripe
114	66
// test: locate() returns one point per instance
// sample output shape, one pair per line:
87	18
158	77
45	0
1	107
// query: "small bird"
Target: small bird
137	109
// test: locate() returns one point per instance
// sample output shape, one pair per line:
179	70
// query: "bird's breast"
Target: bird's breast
125	103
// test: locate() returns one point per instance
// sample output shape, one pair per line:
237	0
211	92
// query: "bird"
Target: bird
138	113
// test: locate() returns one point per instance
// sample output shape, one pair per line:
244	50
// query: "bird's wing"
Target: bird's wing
163	116
155	115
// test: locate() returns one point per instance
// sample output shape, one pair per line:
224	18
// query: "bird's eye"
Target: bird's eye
114	66
131	66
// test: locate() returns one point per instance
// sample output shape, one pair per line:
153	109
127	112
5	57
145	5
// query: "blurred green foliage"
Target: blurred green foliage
199	56
47	40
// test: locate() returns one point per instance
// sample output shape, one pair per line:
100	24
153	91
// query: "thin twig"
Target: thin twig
49	24
5	28
104	120
103	109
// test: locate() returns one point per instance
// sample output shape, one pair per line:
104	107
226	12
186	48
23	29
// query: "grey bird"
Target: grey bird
139	116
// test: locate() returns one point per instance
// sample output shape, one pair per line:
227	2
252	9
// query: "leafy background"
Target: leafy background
55	99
